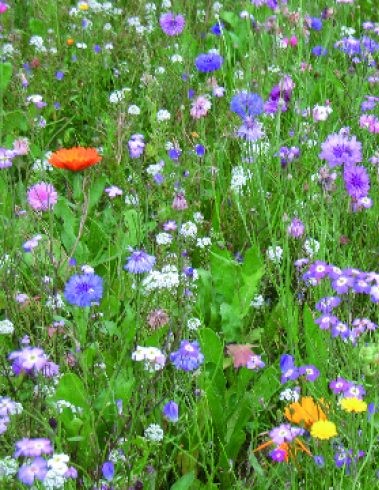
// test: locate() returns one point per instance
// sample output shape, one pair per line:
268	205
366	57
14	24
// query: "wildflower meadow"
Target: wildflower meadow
189	260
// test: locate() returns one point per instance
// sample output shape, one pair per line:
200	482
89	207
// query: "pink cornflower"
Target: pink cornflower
42	196
113	191
200	107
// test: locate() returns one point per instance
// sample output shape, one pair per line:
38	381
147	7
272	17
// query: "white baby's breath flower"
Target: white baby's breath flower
274	254
134	110
154	432
163	115
163	238
6	327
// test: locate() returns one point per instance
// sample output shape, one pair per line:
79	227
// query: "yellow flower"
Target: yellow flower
83	6
323	429
353	405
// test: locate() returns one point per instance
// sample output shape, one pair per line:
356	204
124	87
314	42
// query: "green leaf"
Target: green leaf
317	352
185	482
225	273
211	346
231	322
231	18
96	191
37	27
71	389
5	76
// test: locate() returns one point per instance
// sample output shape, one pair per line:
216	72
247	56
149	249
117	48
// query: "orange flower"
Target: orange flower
70	41
75	159
290	450
306	411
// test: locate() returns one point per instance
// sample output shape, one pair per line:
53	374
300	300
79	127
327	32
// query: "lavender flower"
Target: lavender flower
29	360
172	24
171	411
357	181
6	157
311	373
83	289
35	470
139	262
31	448
188	357
136	145
284	433
296	228
108	470
338	149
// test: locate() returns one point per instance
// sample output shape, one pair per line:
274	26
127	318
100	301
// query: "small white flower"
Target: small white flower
8	467
163	238
166	4
204	242
274	254
81	45
311	247
290	395
193	324
134	110
198	217
160	70
258	301
163	115
107	27
188	230
176	58
154	433
87	269
6	327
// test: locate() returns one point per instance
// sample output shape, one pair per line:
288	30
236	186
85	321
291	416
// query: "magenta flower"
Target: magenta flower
42	196
172	24
3	7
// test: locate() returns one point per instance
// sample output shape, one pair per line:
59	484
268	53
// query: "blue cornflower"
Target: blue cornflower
59	75
319	51
188	357
108	470
83	289
246	104
139	262
217	28
200	150
315	23
319	461
171	411
208	62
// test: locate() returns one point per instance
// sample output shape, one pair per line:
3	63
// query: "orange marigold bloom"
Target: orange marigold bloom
70	41
75	159
305	411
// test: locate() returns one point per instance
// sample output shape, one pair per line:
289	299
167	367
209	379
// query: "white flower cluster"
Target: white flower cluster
154	359
274	254
8	467
163	239
311	247
258	301
118	95
57	467
204	242
6	327
188	230
154	432
163	115
289	395
60	405
193	324
240	177
167	278
38	43
155	168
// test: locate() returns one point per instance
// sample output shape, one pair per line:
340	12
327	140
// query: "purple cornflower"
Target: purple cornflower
208	62
288	155
139	262
357	181
311	373
338	149
342	458
217	28
108	470
278	455
172	24
315	23
284	433
251	129
6	157
83	289
171	411
296	228
339	385
326	305
326	321
35	470
42	196
136	145
174	153
246	104
200	150
29	360
319	461
59	75
188	357
31	448
170	225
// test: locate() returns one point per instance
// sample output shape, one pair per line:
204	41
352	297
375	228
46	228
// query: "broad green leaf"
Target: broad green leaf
185	482
71	389
211	346
96	191
230	322
316	346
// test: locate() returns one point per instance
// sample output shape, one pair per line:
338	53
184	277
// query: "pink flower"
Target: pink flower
179	203
3	7
21	146
42	196
113	191
200	107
